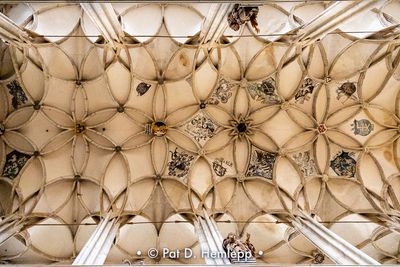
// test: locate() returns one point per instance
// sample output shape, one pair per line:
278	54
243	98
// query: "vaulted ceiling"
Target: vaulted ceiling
251	129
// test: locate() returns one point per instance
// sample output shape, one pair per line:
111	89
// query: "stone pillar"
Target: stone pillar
330	19
106	21
333	246
215	23
99	244
11	32
210	240
9	227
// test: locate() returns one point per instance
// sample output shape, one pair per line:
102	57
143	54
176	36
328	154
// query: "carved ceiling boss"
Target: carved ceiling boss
234	246
240	15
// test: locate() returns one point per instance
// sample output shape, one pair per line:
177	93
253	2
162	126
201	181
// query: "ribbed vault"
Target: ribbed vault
251	129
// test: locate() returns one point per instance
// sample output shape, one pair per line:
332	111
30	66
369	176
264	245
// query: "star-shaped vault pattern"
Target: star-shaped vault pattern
252	129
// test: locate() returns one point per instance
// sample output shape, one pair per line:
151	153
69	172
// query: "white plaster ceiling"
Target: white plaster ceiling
256	128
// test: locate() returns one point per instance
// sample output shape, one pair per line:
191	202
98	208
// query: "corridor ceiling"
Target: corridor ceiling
252	129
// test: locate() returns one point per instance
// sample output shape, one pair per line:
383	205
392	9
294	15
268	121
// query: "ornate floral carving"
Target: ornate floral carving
222	93
305	90
15	161
318	257
321	128
344	164
239	251
264	91
218	166
241	126
179	164
17	93
79	128
201	128
261	164
305	162
239	15
362	127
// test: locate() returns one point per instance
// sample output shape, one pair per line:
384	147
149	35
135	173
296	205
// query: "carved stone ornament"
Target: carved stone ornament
318	257
79	128
242	14
239	251
321	128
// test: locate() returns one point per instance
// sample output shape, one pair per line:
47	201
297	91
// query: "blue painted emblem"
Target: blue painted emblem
362	127
344	164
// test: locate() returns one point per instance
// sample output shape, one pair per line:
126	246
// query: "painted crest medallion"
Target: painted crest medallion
142	88
222	93
17	93
344	164
239	15
305	90
261	164
306	163
264	91
201	128
179	164
15	161
362	127
346	91
220	166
